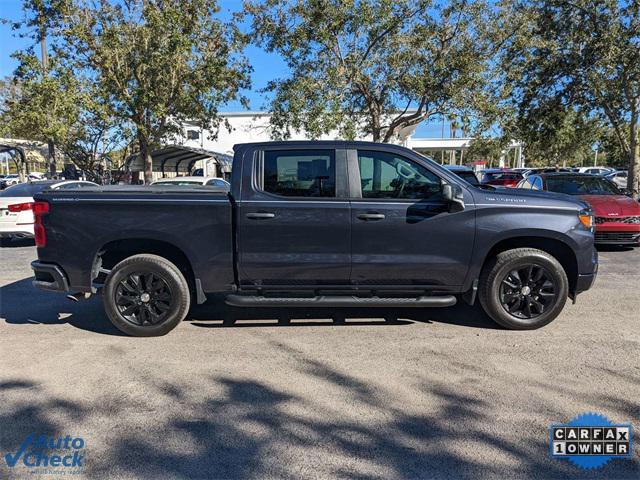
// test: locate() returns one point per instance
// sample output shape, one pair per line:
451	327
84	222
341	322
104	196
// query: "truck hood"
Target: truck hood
612	205
521	196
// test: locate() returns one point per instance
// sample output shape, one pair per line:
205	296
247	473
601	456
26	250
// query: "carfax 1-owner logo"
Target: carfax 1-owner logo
590	440
44	454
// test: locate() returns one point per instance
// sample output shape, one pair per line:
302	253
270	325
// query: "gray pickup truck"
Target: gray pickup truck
312	224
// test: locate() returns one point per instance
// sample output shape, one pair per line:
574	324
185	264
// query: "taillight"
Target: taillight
20	207
39	209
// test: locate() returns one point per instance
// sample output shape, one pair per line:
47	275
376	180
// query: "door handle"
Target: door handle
371	216
260	215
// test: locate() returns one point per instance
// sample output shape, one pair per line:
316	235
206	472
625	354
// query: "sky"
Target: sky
266	66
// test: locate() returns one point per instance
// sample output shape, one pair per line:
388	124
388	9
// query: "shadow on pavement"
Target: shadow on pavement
226	316
17	242
227	426
614	248
23	304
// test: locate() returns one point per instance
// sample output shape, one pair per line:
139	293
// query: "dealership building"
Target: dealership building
194	147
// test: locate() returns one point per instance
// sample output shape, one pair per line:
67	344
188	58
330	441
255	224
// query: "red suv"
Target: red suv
617	216
501	177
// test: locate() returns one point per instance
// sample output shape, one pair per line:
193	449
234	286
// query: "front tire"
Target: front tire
146	296
523	288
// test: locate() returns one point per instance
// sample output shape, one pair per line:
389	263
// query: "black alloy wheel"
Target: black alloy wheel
146	295
527	292
143	298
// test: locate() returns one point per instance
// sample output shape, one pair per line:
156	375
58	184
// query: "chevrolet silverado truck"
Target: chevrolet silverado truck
316	224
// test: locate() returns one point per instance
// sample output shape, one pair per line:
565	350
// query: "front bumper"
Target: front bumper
585	281
49	276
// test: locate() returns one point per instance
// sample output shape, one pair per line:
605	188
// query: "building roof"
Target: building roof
176	158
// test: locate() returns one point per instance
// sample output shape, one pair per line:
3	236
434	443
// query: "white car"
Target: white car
11	179
209	181
595	170
16	215
619	178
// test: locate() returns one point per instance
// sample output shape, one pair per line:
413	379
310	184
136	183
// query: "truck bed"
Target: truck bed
197	221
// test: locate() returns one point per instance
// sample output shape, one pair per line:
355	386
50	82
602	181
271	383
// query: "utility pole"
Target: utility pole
595	158
45	72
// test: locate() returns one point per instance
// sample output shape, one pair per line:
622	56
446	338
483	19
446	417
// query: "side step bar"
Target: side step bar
339	301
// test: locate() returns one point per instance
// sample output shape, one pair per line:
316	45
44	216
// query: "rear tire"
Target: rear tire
146	296
523	288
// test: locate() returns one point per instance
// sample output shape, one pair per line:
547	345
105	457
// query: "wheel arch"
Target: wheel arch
113	252
555	247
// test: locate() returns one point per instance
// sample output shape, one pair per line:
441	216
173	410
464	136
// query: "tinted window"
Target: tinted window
300	173
385	175
24	190
217	182
503	176
470	177
68	186
582	186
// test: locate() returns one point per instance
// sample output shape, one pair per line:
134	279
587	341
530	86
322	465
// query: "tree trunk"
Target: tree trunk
147	160
52	157
633	177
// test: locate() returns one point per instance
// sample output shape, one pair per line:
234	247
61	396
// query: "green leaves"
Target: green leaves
140	65
569	65
372	67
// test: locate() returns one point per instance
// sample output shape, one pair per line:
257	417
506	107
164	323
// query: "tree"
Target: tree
373	67
584	55
39	106
95	137
41	16
157	63
554	134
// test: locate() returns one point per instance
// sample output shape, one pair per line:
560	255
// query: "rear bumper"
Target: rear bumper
49	276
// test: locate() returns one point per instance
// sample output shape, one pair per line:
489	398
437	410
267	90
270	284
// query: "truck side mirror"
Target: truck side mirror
453	194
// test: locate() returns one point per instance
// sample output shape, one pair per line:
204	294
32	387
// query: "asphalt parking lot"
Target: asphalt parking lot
317	394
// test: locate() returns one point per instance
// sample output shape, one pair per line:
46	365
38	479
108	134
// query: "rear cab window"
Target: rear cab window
299	173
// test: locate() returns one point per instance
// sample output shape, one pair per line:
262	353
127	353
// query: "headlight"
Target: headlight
587	219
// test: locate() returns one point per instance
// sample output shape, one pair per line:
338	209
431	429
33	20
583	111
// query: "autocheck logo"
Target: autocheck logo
49	454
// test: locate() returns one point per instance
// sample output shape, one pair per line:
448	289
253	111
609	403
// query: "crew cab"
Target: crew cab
312	224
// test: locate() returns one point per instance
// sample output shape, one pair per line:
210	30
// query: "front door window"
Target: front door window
385	175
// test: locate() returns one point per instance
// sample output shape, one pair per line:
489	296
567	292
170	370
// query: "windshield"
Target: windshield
581	186
24	190
470	177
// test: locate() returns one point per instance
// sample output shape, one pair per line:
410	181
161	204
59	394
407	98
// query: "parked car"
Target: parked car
465	173
16	205
502	177
617	216
595	170
619	177
11	179
195	180
35	176
312	224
